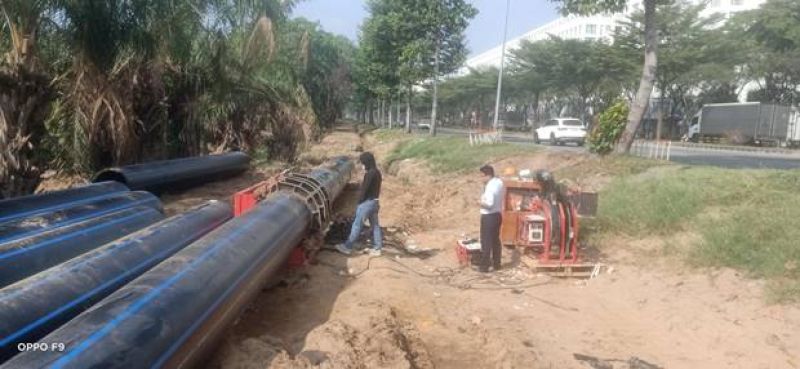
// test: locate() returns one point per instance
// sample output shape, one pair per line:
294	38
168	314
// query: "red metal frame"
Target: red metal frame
562	217
514	224
245	200
575	233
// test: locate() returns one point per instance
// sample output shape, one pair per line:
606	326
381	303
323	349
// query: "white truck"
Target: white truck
746	123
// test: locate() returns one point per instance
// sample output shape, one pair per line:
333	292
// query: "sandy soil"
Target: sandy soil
421	310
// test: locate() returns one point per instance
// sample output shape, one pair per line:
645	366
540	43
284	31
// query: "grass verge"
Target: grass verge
385	135
747	219
454	154
612	165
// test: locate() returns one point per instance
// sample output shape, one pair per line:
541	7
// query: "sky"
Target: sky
485	31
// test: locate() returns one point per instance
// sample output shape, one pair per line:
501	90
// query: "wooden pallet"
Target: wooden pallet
578	270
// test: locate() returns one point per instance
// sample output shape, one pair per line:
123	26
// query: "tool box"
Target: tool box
468	251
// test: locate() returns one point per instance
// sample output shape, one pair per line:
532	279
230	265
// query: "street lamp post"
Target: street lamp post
502	65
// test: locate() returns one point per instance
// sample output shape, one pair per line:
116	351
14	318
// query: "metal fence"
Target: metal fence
654	150
485	138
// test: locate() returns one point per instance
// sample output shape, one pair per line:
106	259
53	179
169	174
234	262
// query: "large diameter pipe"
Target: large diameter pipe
25	257
37	305
333	175
171	315
24	206
21	228
164	175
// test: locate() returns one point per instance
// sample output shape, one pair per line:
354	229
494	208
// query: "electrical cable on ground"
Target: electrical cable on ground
447	275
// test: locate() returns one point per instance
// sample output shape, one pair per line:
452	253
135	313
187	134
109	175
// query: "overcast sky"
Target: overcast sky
485	31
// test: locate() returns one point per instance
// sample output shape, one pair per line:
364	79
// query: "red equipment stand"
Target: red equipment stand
248	198
568	242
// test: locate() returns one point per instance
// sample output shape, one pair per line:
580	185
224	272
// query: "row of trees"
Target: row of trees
702	59
404	43
88	84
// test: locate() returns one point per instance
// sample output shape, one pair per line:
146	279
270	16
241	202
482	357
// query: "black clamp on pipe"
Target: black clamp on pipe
312	193
317	187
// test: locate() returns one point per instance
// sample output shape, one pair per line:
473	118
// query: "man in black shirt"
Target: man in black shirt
368	208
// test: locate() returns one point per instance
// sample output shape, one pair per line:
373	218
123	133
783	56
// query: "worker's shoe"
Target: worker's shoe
343	249
375	252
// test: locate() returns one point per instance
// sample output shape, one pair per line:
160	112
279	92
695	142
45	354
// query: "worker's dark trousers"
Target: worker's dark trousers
490	241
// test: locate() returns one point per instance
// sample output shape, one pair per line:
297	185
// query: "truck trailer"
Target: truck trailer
746	123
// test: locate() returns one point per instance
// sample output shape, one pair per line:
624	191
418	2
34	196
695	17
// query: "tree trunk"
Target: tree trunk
435	103
660	121
479	120
371	113
382	121
390	114
408	110
642	98
398	112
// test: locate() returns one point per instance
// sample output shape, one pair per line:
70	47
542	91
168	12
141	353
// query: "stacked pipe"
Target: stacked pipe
41	231
19	228
20	207
172	314
35	306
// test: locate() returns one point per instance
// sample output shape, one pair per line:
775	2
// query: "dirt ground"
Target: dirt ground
414	307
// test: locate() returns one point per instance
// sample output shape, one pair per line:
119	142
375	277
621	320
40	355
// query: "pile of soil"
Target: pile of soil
373	337
416	200
53	181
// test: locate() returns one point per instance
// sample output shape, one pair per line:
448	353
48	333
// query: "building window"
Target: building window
591	29
737	2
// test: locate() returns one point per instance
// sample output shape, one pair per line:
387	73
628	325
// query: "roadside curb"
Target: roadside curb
715	147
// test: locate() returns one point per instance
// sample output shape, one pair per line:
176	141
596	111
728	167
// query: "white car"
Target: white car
559	131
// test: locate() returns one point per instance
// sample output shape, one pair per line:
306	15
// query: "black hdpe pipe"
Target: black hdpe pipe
25	206
159	176
171	315
20	228
37	305
25	257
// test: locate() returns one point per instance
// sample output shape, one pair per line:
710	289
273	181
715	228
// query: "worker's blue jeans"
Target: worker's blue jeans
366	210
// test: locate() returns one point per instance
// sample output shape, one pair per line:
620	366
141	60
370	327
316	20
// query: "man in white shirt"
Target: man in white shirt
491	205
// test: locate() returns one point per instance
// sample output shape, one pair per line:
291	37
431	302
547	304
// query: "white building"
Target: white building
570	27
598	27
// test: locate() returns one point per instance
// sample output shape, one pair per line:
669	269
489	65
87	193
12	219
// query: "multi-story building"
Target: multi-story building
598	27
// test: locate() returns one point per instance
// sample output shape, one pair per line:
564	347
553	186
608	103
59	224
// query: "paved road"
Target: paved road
683	155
